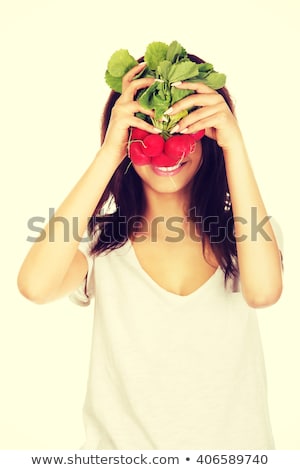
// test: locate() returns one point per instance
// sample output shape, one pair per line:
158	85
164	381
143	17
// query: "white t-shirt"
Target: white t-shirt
169	371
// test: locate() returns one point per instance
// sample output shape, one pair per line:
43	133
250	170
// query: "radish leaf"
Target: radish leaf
176	117
182	71
175	52
113	82
178	94
205	67
168	63
215	80
163	69
155	53
146	97
120	63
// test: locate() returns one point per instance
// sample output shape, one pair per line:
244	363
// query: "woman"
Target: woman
176	360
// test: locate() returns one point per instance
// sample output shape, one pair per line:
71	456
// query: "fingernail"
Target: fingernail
159	80
168	111
176	83
175	129
156	130
142	63
184	131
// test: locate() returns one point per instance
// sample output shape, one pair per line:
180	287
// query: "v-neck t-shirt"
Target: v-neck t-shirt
169	371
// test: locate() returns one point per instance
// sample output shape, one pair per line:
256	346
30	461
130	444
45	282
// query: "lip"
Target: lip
157	171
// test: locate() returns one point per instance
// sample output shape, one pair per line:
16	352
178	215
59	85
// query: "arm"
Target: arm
47	263
54	268
258	255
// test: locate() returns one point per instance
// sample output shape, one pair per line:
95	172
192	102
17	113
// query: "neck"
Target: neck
165	209
166	205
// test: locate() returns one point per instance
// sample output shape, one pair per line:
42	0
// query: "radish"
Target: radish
136	147
153	145
137	155
164	160
145	148
178	146
138	134
198	135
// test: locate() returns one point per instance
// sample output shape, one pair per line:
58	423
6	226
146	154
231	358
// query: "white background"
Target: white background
53	58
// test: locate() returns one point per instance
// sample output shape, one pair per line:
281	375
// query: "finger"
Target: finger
126	115
213	121
199	115
199	87
130	89
148	112
194	100
134	71
145	126
132	107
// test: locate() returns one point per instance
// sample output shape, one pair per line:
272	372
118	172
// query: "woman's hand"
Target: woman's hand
213	115
123	114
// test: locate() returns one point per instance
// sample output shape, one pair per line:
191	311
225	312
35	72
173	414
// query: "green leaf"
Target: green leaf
199	78
162	90
143	116
155	53
115	83
205	67
146	97
160	107
146	72
212	79
155	97
178	94
215	80
203	71
163	69
176	117
120	62
183	71
160	103
175	52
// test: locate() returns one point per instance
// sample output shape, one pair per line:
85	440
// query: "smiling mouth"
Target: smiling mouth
169	169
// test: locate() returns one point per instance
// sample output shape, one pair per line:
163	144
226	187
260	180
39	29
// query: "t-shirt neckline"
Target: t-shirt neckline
204	287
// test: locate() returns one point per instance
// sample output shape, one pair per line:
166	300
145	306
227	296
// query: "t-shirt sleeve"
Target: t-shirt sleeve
278	233
84	293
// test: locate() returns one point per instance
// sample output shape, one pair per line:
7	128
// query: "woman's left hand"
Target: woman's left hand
213	115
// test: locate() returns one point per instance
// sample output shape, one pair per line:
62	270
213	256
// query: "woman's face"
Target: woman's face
162	180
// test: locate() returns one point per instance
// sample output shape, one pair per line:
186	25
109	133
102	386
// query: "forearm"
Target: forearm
49	258
258	254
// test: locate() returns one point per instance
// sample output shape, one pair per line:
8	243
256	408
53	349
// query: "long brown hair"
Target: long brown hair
209	188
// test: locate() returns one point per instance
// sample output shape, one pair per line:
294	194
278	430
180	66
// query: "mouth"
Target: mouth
168	170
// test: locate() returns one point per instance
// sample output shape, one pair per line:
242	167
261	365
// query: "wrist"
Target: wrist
235	147
110	154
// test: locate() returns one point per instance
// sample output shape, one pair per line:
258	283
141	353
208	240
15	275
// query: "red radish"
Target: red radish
198	135
178	146
137	155
164	160
153	145
138	134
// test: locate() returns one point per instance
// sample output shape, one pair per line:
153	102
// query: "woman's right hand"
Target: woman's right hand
123	114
